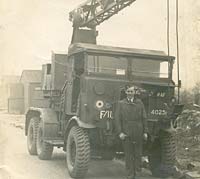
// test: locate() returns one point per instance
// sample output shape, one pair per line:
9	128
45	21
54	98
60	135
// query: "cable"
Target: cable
168	27
177	46
168	38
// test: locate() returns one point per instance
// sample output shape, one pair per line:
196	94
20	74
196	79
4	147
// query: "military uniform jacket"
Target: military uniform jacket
130	118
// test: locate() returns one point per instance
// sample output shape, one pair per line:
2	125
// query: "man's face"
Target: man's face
130	92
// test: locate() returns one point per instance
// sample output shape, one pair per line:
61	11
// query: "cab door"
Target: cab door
76	69
69	85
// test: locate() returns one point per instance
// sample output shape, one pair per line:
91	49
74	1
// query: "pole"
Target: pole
177	47
168	28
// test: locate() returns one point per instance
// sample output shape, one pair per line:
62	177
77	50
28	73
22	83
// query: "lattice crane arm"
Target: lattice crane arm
94	12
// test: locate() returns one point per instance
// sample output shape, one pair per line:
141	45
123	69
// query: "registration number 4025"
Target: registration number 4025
158	112
106	114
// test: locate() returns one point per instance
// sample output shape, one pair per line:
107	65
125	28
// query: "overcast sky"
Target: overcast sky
30	29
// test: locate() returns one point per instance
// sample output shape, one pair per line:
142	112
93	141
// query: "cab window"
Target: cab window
149	68
107	64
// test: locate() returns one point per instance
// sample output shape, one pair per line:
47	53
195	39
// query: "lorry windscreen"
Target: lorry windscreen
107	64
118	65
149	68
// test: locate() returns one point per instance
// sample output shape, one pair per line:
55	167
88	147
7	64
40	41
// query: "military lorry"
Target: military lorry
83	88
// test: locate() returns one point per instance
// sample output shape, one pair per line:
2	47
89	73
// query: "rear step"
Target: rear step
56	142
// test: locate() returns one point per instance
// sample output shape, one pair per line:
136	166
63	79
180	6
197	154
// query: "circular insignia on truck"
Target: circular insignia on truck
99	104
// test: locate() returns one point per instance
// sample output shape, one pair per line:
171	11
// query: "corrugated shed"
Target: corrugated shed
31	76
16	105
5	82
16	90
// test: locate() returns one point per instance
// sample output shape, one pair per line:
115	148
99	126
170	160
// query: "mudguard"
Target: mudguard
76	121
49	121
80	123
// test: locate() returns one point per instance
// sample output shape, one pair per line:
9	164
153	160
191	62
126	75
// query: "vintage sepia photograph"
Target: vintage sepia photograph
99	89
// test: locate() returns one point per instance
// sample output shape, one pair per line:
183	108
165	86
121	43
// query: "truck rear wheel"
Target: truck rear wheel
78	152
163	155
32	136
44	150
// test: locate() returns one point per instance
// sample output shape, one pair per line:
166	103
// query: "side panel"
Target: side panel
58	70
50	122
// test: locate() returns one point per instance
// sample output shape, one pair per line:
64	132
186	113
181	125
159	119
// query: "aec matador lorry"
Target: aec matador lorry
83	94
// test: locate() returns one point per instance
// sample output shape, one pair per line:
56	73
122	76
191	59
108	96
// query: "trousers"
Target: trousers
133	155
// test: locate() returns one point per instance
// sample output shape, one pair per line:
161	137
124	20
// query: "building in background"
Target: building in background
26	93
5	82
33	94
16	98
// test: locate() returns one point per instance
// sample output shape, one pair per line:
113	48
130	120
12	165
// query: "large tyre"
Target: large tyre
78	152
44	150
32	136
168	149
163	155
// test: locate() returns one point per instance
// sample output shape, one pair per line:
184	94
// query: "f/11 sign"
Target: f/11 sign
106	114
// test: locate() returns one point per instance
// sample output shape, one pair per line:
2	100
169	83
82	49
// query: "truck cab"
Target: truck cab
100	75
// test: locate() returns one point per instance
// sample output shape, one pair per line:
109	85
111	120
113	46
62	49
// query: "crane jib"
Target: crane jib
94	12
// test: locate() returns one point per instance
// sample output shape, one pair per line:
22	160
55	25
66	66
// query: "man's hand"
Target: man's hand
145	136
122	136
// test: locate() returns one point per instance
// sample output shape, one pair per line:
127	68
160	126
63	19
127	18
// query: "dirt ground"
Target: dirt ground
188	139
16	163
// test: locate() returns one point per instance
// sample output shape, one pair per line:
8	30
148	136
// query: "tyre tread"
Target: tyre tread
83	152
46	149
35	122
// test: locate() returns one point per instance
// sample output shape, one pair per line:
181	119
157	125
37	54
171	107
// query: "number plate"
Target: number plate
158	112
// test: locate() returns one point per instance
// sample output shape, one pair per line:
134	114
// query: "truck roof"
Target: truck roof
92	48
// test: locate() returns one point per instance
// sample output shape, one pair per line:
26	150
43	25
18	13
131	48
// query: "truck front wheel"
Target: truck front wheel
32	135
162	156
78	152
44	150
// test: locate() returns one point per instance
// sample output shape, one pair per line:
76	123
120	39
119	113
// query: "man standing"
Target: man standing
131	126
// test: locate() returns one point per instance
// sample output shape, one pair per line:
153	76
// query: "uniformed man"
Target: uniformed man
131	126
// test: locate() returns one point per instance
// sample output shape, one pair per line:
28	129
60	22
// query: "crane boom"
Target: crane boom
94	12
